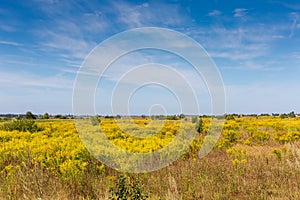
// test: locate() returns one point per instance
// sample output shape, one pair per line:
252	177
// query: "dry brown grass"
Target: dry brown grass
263	176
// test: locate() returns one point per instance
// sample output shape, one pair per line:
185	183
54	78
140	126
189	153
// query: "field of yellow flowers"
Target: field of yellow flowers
256	157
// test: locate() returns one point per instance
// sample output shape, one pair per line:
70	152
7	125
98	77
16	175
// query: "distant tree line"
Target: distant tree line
30	115
282	115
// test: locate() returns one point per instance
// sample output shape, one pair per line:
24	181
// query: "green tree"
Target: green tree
282	116
58	116
229	117
95	120
172	117
46	116
181	116
199	126
29	115
292	115
195	119
118	117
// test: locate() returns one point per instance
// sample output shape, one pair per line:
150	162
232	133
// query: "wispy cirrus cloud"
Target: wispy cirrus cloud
214	13
150	14
295	19
295	55
294	5
13	79
251	65
240	12
7	28
10	43
66	46
70	36
244	46
246	41
235	44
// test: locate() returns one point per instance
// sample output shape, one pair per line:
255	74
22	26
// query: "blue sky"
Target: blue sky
255	45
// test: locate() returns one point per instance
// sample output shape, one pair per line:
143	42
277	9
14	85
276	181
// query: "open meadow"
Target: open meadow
256	157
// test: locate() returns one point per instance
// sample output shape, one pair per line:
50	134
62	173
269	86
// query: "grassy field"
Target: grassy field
255	158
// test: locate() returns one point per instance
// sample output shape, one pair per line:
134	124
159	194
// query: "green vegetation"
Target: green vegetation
21	125
46	116
95	120
126	188
199	125
29	115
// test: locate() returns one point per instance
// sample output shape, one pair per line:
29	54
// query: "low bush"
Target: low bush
21	125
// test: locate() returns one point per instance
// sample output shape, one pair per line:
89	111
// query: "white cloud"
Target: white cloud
240	12
294	6
295	55
21	79
258	66
236	55
278	36
66	46
295	18
7	28
126	63
214	13
72	35
150	14
248	41
10	43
